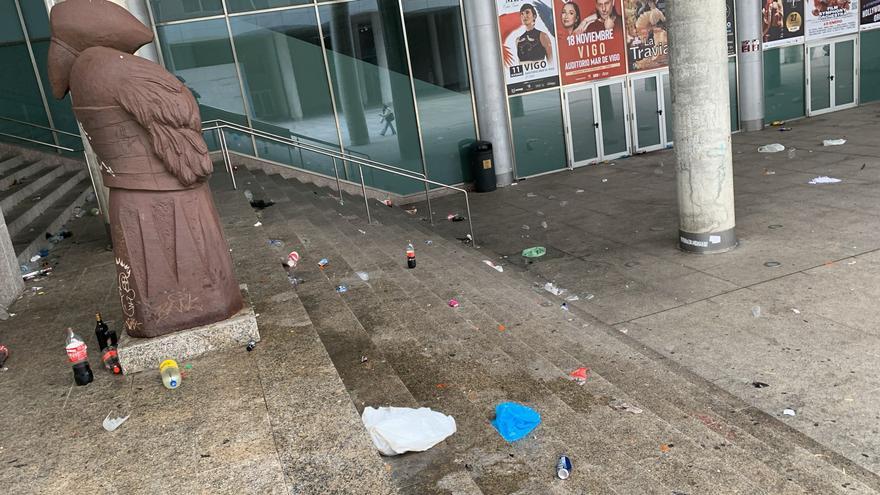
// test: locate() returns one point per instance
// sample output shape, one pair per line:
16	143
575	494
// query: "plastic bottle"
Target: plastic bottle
107	342
77	354
170	374
410	256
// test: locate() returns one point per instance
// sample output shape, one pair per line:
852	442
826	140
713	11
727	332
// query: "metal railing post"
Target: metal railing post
225	150
338	187
467	205
364	191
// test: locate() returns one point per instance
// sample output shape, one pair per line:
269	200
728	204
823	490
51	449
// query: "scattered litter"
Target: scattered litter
293	259
514	421
35	257
756	311
497	268
768	171
665	448
95	212
824	180
777	123
258	224
631	264
412	211
795	311
342	288
363	232
501	328
760	385
113	424
429	242
789	412
579	191
453	303
387	202
275	243
454	217
544	224
572	298
623	406
525	227
833	142
604	180
580	375
323	263
563	203
534	252
294	281
563	467
364	359
251	345
4	355
784	129
78	212
771	148
563	306
36	273
531	195
774	226
363	276
772	264
589	296
262	204
396	430
553	289
467	239
248	195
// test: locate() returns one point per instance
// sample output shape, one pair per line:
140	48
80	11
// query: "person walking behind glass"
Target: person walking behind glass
387	116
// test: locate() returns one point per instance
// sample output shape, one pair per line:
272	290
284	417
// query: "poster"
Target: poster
870	14
590	39
783	22
826	18
647	43
528	47
731	29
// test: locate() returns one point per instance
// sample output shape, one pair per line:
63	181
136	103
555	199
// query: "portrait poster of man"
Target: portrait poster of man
590	38
647	42
783	22
826	18
528	46
870	14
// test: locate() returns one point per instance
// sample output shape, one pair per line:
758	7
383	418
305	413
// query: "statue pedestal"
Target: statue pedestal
145	354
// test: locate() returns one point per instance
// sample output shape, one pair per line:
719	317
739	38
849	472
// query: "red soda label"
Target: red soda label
77	353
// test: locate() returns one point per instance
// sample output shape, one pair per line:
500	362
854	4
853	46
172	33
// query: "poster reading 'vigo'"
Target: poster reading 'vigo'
528	48
870	14
590	38
826	18
783	22
647	43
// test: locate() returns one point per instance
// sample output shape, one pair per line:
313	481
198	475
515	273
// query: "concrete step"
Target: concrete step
29	240
19	192
10	162
26	211
22	172
703	418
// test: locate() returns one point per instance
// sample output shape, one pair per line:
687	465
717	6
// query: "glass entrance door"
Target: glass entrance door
650	97
831	76
595	117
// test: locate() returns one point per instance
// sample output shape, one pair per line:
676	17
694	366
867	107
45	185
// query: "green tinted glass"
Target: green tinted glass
443	92
538	139
870	66
784	83
175	10
248	5
734	100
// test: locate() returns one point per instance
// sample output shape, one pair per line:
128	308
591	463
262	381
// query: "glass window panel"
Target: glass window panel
844	72
582	122
820	77
734	100
367	61
784	83
439	64
175	10
870	66
612	114
646	95
282	69
248	5
538	139
200	55
20	97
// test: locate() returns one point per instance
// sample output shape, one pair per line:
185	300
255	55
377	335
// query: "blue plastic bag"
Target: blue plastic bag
514	421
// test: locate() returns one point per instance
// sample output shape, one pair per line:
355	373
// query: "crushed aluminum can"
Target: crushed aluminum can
341	289
293	259
563	467
251	345
323	262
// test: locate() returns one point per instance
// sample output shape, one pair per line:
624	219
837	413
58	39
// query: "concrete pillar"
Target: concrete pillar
489	89
11	284
750	61
288	76
701	116
436	57
381	57
346	75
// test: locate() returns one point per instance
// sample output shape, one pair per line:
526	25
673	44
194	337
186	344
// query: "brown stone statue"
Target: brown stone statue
172	261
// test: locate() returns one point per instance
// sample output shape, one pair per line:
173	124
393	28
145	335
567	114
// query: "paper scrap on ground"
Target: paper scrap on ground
514	421
580	375
833	142
789	412
363	276
497	268
534	252
824	180
771	148
553	289
114	423
396	430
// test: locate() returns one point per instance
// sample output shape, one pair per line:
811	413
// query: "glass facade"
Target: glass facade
784	84
538	135
870	66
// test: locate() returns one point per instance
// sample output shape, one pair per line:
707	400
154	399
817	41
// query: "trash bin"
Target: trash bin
483	167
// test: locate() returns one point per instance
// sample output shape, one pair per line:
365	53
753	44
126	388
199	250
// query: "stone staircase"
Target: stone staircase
640	424
39	193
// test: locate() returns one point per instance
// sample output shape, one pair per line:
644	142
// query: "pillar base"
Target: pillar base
752	125
707	243
504	180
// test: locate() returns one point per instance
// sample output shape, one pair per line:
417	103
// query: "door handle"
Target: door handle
659	112
831	77
596	125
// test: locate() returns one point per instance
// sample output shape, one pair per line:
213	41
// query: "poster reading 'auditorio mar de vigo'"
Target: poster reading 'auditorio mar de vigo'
827	18
591	39
528	44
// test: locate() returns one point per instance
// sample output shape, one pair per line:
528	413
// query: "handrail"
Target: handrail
337	155
58	147
59	131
